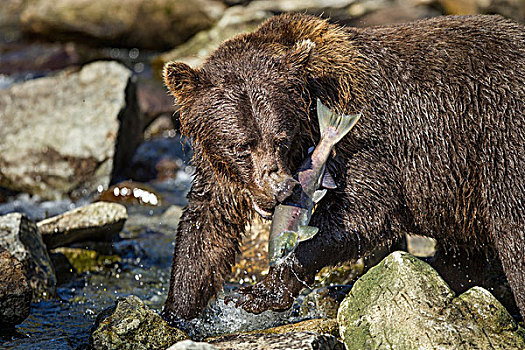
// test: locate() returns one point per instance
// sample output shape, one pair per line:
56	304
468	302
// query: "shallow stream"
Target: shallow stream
145	246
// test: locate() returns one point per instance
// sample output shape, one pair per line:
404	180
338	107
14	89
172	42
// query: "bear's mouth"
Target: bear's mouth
265	214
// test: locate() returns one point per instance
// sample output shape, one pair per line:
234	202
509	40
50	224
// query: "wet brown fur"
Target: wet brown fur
439	150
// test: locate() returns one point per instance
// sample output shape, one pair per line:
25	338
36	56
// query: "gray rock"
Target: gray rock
236	20
290	341
93	222
403	303
67	134
151	24
132	325
15	293
20	237
327	326
191	345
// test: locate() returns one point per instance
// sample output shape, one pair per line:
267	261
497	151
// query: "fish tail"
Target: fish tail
332	125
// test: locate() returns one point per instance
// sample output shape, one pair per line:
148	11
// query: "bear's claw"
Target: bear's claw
276	292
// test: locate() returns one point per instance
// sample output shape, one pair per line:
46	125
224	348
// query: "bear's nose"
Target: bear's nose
283	186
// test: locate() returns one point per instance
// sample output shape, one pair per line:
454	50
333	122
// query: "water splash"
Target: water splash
220	318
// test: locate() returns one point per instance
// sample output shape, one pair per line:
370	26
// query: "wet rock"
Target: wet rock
317	325
191	345
150	24
64	271
143	166
67	135
132	325
24	61
130	193
323	302
15	293
405	303
291	341
95	221
83	260
153	100
20	237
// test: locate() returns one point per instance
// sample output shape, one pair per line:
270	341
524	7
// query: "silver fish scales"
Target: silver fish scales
291	218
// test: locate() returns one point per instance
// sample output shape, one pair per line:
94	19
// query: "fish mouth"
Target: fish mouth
265	214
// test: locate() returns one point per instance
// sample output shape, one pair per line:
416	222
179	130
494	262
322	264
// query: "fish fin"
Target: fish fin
337	124
328	181
318	195
306	232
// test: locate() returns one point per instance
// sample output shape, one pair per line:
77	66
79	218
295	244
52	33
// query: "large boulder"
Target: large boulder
403	302
95	221
237	19
149	24
68	134
20	237
15	293
132	325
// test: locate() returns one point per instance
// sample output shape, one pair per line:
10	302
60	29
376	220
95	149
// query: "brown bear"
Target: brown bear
439	150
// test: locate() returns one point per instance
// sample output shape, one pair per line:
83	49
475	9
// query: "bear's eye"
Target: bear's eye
242	150
281	145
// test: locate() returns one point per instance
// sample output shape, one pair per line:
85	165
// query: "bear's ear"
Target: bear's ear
180	78
299	54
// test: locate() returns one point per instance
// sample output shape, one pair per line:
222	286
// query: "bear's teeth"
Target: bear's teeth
264	213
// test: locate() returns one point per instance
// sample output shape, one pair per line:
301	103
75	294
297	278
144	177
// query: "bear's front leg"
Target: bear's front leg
276	292
207	240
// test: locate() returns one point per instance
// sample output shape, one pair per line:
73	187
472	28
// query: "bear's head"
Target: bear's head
247	111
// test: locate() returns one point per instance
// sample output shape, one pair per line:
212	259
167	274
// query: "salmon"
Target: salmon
292	216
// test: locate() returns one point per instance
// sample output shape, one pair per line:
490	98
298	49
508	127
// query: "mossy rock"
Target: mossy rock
84	260
132	325
403	303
